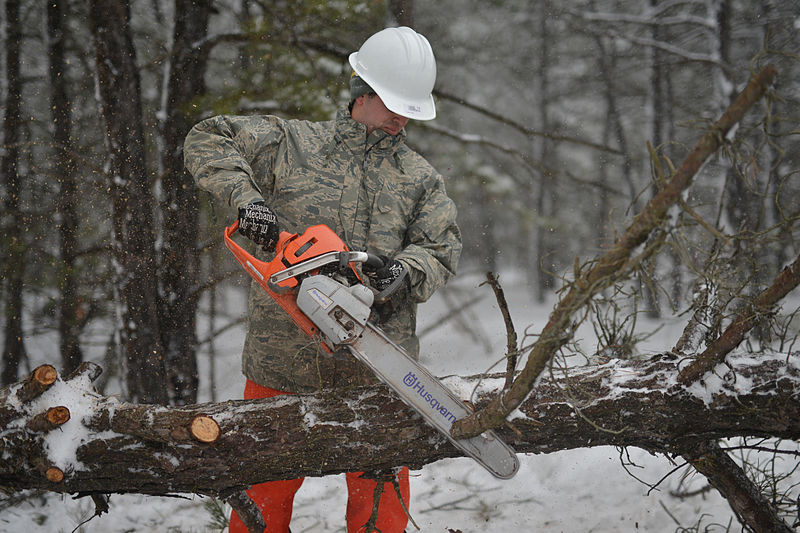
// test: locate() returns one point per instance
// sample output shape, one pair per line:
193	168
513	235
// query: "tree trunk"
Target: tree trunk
132	200
222	448
14	244
180	256
543	253
69	312
742	494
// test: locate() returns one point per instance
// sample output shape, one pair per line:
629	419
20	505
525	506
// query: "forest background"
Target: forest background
549	114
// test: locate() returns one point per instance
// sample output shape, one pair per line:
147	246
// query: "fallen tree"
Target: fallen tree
108	446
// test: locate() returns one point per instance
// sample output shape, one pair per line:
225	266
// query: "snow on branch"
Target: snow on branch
734	334
219	449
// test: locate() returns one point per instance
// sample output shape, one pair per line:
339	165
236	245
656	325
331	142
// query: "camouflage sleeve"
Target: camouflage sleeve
232	157
435	243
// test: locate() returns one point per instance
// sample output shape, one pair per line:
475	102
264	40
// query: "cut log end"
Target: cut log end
37	382
49	420
58	415
54	474
205	429
45	375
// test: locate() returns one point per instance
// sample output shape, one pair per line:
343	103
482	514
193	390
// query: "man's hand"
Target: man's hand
385	275
259	223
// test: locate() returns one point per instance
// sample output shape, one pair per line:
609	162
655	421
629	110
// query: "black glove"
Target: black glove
385	275
259	223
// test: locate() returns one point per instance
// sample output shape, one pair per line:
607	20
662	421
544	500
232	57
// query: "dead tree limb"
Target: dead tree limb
612	266
734	334
742	494
512	350
248	512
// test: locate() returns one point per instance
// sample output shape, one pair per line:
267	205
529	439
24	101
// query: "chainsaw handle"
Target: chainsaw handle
258	269
373	261
283	238
244	257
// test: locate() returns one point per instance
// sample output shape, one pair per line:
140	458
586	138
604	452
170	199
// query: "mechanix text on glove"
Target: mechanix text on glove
259	223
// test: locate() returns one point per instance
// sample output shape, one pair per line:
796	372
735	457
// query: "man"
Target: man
356	175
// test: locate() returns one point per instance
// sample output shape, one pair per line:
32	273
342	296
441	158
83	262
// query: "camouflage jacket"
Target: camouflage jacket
374	192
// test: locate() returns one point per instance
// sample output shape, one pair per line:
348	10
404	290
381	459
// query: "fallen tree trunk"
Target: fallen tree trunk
108	446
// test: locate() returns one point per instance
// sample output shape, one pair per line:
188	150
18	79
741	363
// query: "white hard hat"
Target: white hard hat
398	64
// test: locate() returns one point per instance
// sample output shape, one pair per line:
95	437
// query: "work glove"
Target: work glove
385	275
259	223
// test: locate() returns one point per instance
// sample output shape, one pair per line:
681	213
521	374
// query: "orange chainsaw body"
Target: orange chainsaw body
292	249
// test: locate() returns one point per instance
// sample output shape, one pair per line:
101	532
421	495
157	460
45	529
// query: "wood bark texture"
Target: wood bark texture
219	449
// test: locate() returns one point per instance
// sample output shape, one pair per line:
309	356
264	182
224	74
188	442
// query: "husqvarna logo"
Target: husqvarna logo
411	381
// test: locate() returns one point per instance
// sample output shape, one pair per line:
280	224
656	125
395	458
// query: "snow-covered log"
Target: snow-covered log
109	446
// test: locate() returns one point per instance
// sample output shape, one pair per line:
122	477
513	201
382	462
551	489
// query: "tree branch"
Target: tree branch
511	333
521	127
734	334
612	266
742	494
247	511
551	172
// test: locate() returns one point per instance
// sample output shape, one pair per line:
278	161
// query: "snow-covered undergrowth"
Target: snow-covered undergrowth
602	490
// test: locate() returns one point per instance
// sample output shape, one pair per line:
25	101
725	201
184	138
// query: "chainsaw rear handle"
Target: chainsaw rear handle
294	255
259	270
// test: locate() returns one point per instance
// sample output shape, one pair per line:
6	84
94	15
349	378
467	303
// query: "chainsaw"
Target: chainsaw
314	278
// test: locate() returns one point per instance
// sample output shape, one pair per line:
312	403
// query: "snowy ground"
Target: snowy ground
585	490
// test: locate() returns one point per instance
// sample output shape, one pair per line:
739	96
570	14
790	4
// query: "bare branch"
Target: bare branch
247	511
670	49
743	495
733	335
521	127
538	166
511	333
612	266
647	18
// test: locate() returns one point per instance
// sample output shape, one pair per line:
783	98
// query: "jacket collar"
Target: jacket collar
354	134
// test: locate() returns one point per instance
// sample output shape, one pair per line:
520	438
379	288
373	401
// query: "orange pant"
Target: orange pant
276	498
